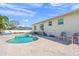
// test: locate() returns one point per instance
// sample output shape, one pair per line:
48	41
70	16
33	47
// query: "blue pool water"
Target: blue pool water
22	39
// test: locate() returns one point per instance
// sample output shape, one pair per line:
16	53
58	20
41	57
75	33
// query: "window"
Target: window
61	21
42	26
50	23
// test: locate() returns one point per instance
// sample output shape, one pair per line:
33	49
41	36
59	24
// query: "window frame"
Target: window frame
41	26
50	23
60	21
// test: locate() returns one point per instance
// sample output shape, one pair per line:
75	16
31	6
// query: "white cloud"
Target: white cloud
14	13
21	25
26	20
37	4
19	10
75	7
55	4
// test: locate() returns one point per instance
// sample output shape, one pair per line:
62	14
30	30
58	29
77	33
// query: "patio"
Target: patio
42	47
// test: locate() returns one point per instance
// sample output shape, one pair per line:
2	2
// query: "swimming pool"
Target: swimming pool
22	39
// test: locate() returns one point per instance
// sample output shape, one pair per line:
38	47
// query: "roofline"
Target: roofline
58	16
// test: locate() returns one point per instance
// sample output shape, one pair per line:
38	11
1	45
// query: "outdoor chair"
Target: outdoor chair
64	36
44	33
76	38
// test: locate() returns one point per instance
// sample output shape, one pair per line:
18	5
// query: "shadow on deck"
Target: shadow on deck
56	40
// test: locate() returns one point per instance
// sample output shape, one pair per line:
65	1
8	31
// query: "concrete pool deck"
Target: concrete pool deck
41	47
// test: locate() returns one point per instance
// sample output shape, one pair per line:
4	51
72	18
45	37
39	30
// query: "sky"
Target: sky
30	13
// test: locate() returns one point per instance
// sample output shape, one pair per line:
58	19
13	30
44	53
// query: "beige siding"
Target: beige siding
71	23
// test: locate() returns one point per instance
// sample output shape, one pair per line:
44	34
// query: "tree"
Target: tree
4	22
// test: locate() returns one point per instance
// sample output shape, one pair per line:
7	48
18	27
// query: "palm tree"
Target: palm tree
4	22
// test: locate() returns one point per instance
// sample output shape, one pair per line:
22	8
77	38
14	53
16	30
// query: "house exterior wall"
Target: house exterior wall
71	23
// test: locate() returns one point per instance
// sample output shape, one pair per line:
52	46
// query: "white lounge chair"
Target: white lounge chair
6	32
